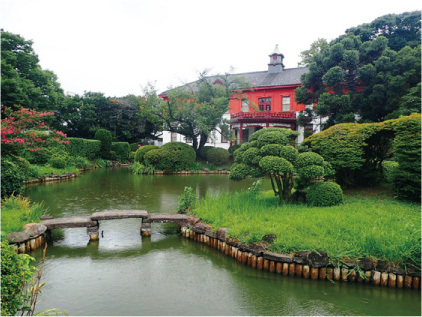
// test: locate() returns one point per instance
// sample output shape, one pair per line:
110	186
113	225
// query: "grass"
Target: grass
17	211
375	226
38	171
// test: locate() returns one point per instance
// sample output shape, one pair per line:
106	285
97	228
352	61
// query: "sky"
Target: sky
117	47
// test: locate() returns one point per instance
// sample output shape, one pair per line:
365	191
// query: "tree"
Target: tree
195	110
359	77
308	55
23	81
269	152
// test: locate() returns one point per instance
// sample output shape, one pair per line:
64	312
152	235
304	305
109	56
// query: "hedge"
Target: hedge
218	156
105	137
121	151
173	156
84	147
141	151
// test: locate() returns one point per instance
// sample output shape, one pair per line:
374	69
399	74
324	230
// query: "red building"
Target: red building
270	101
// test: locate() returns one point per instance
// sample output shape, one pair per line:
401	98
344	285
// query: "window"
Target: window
245	105
173	137
264	104
286	104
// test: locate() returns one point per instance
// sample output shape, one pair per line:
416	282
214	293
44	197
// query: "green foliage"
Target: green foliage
233	148
141	151
269	152
173	156
59	160
187	200
138	168
324	194
17	211
81	162
389	170
105	137
218	156
366	73
12	177
122	151
23	81
202	153
365	225
84	147
16	271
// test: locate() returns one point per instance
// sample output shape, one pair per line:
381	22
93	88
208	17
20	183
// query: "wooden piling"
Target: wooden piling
416	282
408	281
376	278
279	267
352	276
368	275
384	279
330	273
292	269
322	273
299	268
272	267
249	262
245	257
259	262
400	281
392	280
239	256
266	265
337	274
344	274
314	273
306	271
253	264
285	268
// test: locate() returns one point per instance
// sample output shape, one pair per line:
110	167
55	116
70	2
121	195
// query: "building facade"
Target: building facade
268	102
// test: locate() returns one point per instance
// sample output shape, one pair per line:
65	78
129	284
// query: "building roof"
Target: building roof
287	77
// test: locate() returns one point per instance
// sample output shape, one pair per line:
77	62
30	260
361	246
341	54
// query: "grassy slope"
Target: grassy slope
372	225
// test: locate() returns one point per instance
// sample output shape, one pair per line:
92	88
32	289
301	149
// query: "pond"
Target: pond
125	274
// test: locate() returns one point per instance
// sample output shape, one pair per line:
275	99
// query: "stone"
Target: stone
366	264
18	237
317	258
278	257
201	228
301	257
46	217
221	233
70	222
382	266
210	234
269	238
256	249
34	229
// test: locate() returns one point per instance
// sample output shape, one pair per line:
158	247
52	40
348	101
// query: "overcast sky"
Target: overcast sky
117	46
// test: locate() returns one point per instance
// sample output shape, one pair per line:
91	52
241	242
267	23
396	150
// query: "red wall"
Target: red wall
276	94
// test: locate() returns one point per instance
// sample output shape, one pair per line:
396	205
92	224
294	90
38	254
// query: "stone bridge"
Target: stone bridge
92	222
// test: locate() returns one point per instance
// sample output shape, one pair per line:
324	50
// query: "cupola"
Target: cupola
276	61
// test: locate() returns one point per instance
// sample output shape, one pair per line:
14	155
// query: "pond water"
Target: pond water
125	274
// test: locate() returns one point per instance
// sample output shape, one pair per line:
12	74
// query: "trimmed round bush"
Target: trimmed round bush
141	151
324	194
238	171
218	156
308	158
276	165
233	148
173	156
289	152
271	149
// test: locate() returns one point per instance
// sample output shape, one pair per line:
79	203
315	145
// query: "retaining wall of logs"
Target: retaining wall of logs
30	239
310	265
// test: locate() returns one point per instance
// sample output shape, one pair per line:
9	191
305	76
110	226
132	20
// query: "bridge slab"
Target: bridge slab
167	217
119	214
71	222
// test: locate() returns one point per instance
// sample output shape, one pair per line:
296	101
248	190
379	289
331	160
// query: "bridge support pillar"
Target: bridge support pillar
146	229
93	233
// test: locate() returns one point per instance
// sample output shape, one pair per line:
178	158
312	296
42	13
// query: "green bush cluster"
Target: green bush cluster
13	177
16	270
187	200
173	156
233	148
203	152
218	156
84	147
141	151
121	151
105	137
324	194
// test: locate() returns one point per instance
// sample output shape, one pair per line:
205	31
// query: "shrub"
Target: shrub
39	157
187	200
233	148
105	137
84	147
16	270
173	156
218	156
58	161
81	162
203	152
324	194
389	169
141	151
92	149
122	151
12	178
134	146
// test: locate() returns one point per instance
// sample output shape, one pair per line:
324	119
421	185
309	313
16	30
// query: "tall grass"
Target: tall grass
361	227
17	211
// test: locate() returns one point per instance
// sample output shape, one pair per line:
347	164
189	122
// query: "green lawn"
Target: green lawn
368	224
